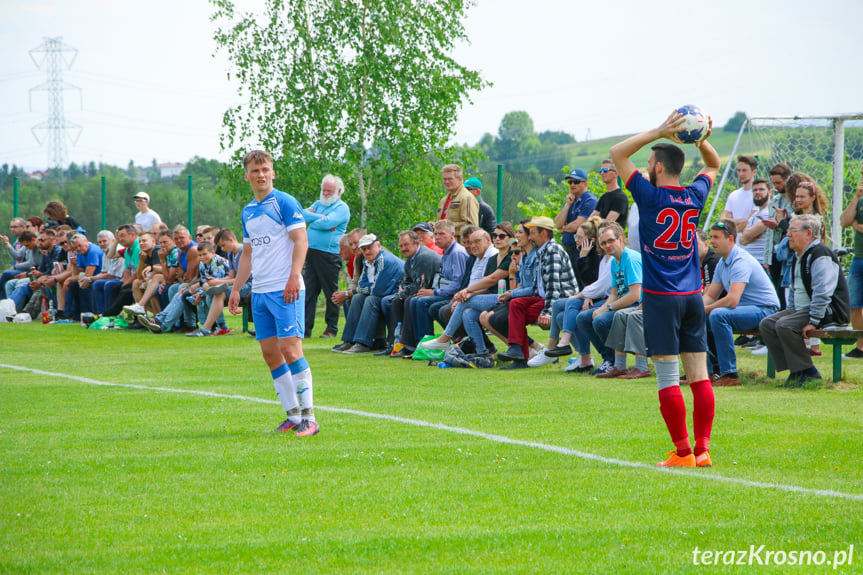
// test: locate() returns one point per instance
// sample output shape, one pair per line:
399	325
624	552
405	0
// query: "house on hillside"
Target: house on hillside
170	170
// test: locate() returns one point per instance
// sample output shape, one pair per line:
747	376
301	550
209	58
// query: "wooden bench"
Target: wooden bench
835	338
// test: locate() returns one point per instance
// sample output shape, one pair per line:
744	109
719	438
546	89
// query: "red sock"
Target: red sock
702	413
673	411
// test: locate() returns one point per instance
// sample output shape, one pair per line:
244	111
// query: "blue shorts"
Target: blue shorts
674	324
855	283
275	318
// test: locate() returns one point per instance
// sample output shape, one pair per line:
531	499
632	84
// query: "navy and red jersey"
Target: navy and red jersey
668	219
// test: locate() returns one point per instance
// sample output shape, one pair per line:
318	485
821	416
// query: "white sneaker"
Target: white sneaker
435	344
759	350
134	309
540	359
535	349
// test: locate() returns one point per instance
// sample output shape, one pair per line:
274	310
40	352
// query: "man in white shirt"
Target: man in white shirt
754	237
739	205
146	218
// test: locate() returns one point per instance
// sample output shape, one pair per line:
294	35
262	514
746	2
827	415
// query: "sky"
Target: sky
152	87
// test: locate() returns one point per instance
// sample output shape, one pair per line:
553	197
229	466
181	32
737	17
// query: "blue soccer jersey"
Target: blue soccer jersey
668	219
266	228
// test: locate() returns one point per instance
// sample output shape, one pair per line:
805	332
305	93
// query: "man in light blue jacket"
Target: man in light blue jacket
327	221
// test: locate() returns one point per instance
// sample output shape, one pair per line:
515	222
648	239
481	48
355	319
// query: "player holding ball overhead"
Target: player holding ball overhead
674	317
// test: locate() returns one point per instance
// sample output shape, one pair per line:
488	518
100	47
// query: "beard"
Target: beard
760	202
651	176
328	200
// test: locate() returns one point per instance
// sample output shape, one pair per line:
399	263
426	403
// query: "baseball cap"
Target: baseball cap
577	174
142	196
367	240
540	222
424	226
473	183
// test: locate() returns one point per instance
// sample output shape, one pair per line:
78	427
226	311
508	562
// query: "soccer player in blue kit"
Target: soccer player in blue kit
274	248
674	318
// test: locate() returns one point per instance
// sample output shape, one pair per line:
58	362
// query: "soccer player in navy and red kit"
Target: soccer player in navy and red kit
674	318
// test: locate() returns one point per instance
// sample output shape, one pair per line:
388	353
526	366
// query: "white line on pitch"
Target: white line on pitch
701	474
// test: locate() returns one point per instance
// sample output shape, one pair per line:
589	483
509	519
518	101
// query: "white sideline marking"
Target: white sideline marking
703	474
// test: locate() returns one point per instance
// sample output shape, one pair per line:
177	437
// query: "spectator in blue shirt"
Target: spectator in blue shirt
327	221
579	204
88	262
750	297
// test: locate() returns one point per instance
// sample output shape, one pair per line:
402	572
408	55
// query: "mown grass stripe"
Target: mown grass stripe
698	474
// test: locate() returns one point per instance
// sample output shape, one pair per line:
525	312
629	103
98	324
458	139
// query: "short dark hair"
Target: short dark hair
27	236
748	160
206	246
168	233
783	170
761	181
466	231
411	234
128	228
670	156
225	234
727	227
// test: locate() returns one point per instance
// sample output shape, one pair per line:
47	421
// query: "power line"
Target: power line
53	52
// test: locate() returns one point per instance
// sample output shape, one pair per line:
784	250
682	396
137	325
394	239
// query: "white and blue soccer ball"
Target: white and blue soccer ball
695	124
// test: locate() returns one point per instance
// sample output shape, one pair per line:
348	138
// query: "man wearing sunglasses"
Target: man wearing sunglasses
613	205
578	206
749	298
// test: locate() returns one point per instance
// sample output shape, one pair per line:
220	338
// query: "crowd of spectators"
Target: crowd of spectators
765	265
481	285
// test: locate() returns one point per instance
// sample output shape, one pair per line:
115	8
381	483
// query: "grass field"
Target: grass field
472	471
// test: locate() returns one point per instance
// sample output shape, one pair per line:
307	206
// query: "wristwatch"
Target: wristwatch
608	307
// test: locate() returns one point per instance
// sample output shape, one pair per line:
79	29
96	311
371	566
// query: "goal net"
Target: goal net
829	149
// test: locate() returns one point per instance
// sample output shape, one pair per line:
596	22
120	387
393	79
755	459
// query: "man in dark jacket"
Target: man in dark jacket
818	298
487	219
421	265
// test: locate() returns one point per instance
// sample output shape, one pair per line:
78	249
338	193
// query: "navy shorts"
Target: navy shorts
674	324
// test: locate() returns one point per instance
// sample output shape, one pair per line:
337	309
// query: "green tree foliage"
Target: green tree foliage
364	89
556	137
734	122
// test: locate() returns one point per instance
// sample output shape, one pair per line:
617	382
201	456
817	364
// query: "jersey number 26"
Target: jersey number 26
674	222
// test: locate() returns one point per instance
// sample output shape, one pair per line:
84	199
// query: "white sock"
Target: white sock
286	391
305	394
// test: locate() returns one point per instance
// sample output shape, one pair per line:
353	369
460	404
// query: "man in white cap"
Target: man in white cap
146	218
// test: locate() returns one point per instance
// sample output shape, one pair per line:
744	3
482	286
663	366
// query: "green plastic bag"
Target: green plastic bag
119	323
428	354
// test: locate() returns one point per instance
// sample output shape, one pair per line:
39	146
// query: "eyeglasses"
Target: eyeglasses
500	236
515	252
199	235
576	181
792	230
609	241
604	170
